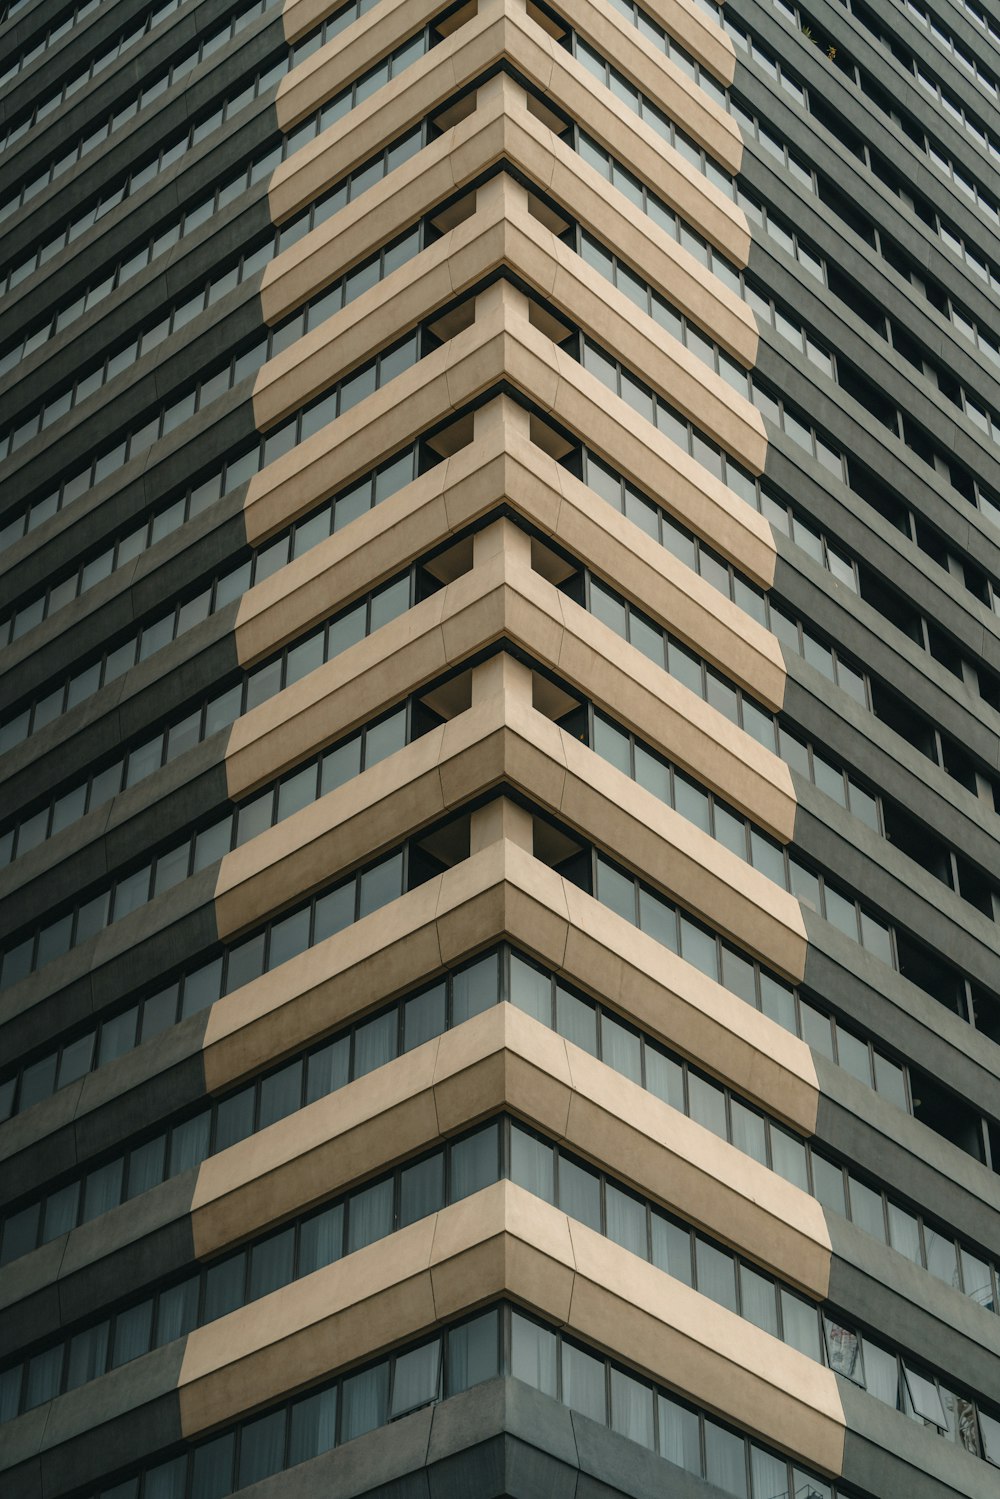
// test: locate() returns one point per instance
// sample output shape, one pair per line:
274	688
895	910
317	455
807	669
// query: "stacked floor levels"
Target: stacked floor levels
499	755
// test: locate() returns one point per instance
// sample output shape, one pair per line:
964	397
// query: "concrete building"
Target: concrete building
499	759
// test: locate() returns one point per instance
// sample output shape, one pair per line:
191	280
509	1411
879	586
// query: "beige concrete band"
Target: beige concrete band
332	67
500	1242
681	19
502	127
505	597
504	1241
504	740
502	234
504	33
502	465
502	890
500	1059
501	345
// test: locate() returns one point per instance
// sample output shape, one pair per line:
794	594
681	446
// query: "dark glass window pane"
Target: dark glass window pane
725	1460
334	911
580	1193
159	1011
531	1164
416	1378
576	1020
133	1333
867	1209
533	1354
801	1324
672	1248
380	885
189	1143
43	1376
375	1043
626	1220
759	1300
384	738
475	988
364	1402
38	1081
321	1239
102	1190
118	1035
749	1131
904	1233
421	1189
328	1069
289	937
769	1474
212	1468
224	1286
679	1439
424	1016
369	1215
473	1352
234	1118
280	1094
716	1273
631	1408
77	1059
620	1048
530	990
788	1158
474	1163
201	988
177	1311
88	1355
245	963
665	1078
583	1387
60	1212
707	1104
262	1447
167	1480
313	1426
272	1263
828	1184
147	1165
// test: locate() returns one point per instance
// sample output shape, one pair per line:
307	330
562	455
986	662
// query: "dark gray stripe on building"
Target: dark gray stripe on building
875	1287
121	960
500	1440
78	1275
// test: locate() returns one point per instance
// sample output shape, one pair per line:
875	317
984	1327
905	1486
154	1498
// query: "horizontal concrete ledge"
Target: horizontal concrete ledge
504	598
875	1286
501	130
500	893
887	1453
502	1241
682	19
329	70
500	1440
503	348
503	235
503	36
503	741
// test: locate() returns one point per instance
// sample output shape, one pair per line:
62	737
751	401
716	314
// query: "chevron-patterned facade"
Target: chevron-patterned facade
500	540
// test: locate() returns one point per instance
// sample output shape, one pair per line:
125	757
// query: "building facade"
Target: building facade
500	539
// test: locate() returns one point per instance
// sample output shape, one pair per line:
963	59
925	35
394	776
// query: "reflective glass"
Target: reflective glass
533	1354
421	1189
472	1352
583	1382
